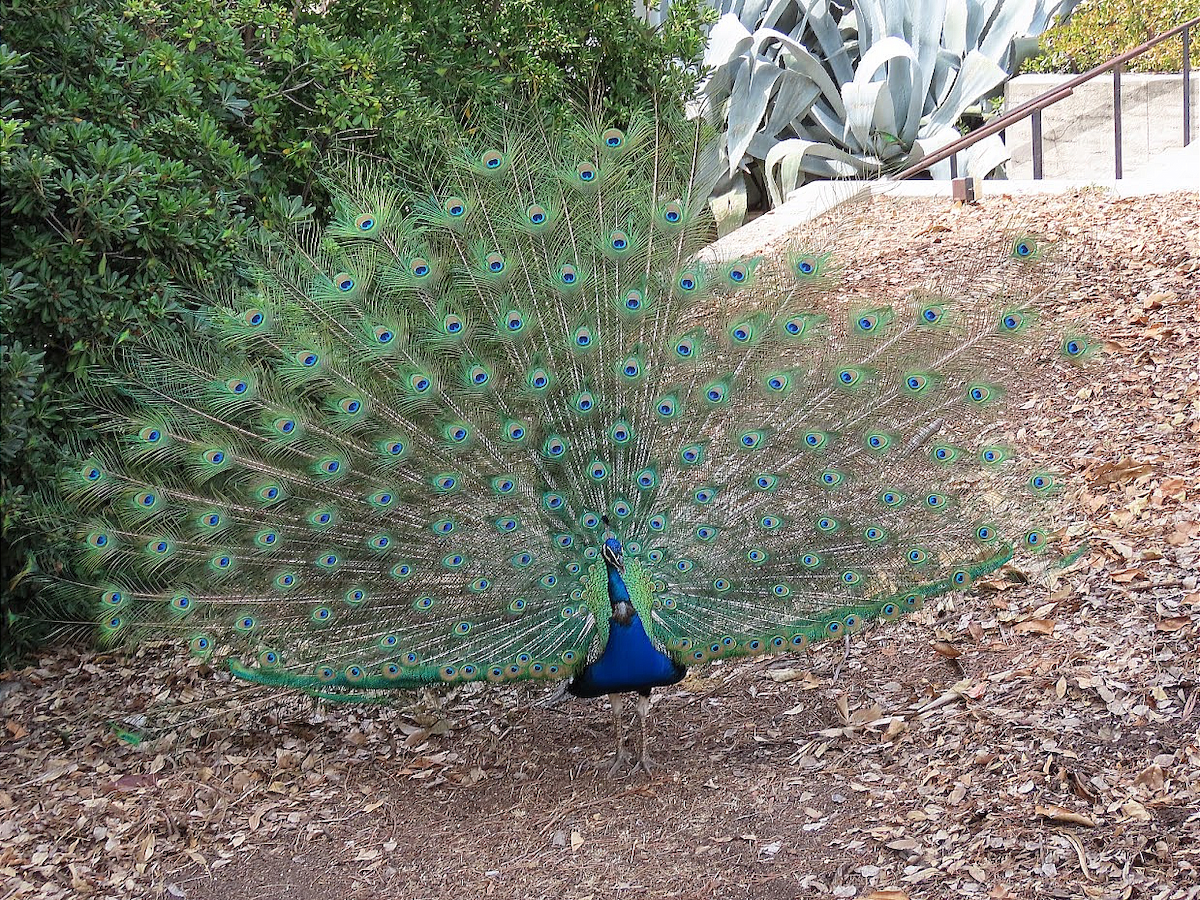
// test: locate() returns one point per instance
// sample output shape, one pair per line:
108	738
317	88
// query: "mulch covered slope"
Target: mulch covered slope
1022	741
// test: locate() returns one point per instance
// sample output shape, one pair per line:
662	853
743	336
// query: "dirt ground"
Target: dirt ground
1021	741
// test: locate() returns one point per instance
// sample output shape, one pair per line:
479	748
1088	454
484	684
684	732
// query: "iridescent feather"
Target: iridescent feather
394	462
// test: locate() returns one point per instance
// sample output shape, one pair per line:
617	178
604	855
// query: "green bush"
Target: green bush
1098	30
21	413
143	141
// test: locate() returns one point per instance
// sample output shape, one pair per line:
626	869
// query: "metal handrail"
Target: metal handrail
1037	104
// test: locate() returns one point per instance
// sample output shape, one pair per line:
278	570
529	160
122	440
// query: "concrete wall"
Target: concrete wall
1077	132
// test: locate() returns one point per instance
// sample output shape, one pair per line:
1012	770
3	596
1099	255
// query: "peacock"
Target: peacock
508	418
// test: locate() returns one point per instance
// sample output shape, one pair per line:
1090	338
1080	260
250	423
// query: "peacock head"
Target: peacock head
612	553
618	593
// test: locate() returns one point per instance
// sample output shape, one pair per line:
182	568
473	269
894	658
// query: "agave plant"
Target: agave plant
833	89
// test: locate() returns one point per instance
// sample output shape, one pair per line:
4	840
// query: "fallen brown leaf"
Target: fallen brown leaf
946	649
1061	814
1124	576
1035	626
127	783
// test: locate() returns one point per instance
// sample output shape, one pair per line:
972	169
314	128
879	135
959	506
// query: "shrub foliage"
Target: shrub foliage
1098	30
142	143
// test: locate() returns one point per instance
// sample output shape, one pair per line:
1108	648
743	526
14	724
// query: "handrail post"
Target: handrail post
1187	85
1031	108
1035	128
1117	119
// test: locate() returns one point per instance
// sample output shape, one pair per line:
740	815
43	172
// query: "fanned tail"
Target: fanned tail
391	462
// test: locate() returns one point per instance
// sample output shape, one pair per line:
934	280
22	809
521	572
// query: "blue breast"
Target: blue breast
630	662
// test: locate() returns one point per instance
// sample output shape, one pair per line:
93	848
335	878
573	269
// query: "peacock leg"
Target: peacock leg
837	669
619	727
645	763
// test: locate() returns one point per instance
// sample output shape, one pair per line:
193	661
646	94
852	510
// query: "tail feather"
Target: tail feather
390	463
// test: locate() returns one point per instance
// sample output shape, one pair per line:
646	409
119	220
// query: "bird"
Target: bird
506	416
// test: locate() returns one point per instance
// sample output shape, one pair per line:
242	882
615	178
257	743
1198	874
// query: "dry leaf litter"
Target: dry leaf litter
1024	741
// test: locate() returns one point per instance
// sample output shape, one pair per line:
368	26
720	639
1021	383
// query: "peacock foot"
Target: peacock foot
646	763
623	759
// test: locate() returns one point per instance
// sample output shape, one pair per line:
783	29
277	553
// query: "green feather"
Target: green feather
392	460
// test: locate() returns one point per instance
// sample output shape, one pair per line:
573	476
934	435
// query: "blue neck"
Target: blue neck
617	591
